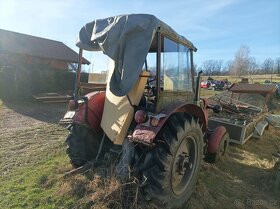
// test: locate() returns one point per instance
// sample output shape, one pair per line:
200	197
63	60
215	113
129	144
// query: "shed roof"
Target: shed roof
18	43
253	88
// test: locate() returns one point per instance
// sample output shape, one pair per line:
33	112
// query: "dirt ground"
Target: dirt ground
243	179
25	128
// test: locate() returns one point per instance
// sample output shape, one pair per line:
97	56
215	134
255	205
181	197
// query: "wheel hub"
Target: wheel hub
184	163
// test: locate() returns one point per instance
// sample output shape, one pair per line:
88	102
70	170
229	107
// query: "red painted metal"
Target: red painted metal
147	135
204	84
215	138
95	110
197	112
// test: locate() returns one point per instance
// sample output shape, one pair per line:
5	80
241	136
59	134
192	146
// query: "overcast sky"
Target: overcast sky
216	27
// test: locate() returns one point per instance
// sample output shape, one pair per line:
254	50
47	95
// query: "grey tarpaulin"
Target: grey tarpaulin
126	39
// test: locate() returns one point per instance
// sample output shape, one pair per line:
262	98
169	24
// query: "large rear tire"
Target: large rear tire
177	161
83	144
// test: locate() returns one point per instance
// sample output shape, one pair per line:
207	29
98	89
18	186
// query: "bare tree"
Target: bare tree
253	68
218	67
277	65
241	61
228	66
267	66
207	67
212	67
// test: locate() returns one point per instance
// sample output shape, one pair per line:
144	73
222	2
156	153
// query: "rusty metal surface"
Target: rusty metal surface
235	108
215	138
253	88
144	135
147	135
238	117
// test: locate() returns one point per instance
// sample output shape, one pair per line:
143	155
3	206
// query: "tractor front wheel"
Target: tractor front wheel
177	161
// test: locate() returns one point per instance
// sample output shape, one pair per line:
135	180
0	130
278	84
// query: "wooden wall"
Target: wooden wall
19	82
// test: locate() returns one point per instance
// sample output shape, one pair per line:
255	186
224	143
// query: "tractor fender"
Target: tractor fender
147	134
197	112
215	138
90	112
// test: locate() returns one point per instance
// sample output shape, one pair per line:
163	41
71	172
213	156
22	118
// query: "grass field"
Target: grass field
33	163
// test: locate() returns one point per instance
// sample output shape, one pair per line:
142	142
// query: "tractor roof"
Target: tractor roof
126	39
91	34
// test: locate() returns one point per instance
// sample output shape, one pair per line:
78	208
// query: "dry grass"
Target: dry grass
206	93
100	188
33	162
243	179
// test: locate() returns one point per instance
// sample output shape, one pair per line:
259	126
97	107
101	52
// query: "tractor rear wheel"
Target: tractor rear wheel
83	144
177	160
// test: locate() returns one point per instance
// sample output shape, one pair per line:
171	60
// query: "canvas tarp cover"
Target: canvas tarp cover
126	39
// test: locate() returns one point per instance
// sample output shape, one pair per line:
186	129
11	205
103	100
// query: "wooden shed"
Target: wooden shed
31	65
17	48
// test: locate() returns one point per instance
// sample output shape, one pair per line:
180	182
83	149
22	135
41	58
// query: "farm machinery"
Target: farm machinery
244	112
150	109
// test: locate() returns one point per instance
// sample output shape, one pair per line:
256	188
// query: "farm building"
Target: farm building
17	48
30	64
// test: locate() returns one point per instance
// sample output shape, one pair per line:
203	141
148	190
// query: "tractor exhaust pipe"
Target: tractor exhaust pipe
197	88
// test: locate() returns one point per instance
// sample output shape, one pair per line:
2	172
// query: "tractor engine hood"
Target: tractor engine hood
126	39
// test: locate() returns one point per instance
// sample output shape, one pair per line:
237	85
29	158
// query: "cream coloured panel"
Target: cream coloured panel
118	113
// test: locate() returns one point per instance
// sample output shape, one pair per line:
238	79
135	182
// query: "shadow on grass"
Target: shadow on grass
46	112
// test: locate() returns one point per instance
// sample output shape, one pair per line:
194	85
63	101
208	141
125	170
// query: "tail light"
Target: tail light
141	116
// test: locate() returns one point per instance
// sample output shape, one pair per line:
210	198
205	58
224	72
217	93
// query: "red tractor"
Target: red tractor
151	108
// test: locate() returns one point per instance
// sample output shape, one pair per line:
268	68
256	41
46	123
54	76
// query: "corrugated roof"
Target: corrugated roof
253	88
18	43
